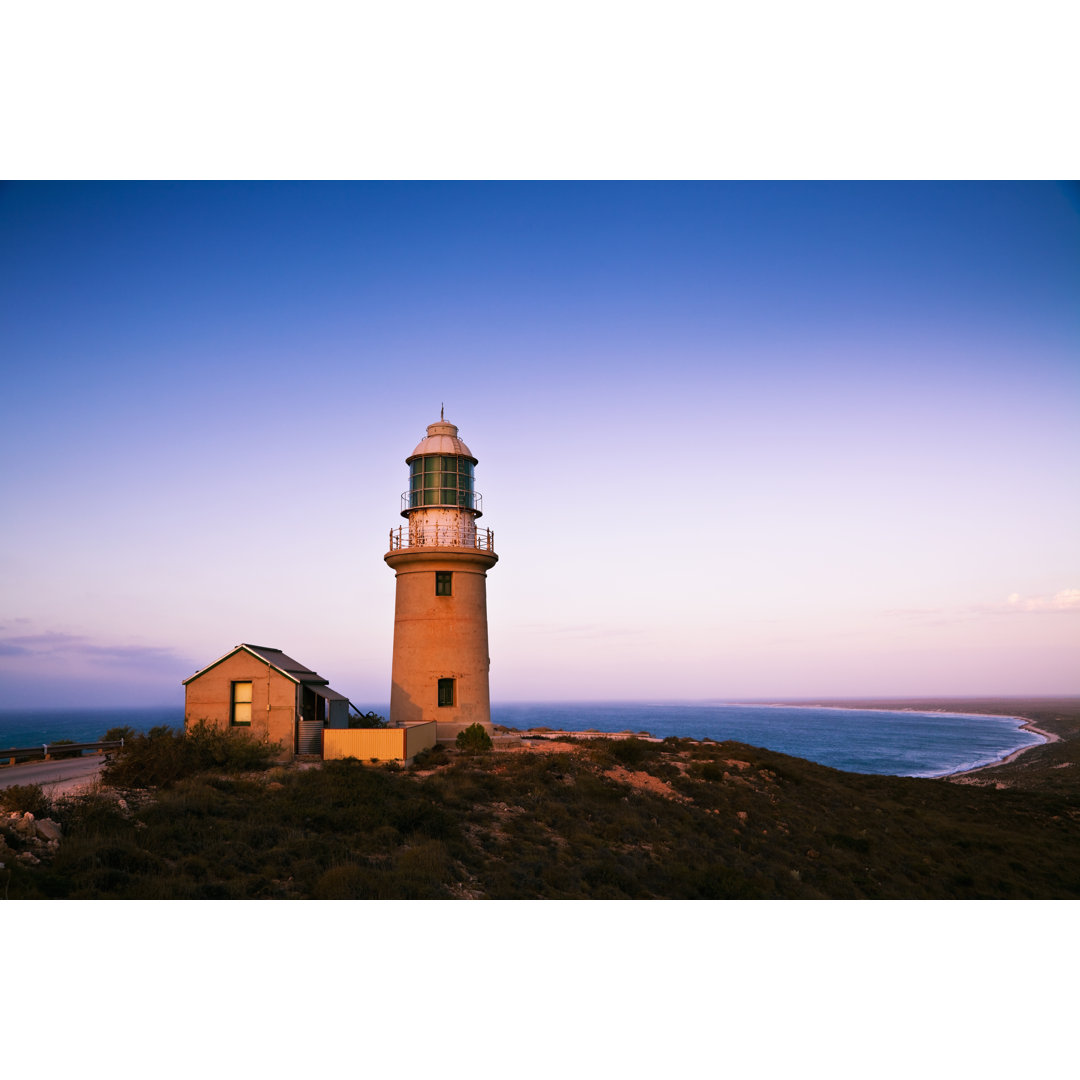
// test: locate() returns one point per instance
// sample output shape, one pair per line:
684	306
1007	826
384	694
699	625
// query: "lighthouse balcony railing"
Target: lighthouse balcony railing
442	535
440	497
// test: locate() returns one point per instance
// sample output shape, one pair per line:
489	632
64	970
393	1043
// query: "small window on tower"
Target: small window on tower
442	583
241	703
446	692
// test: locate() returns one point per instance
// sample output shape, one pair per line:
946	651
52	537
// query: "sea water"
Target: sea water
856	740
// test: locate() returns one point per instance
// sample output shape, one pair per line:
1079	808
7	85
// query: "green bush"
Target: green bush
59	755
473	740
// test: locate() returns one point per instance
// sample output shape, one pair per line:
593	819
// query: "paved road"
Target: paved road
54	776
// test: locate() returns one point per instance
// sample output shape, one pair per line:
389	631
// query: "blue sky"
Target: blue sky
735	439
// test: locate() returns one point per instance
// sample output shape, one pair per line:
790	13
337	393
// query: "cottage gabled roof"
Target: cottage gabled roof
290	668
286	664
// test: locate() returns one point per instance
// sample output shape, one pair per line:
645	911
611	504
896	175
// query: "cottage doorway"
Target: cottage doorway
310	722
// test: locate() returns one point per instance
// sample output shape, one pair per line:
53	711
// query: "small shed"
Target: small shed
259	689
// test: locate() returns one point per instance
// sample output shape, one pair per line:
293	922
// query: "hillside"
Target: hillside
594	818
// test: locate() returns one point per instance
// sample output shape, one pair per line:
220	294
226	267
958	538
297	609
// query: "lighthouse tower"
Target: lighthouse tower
441	559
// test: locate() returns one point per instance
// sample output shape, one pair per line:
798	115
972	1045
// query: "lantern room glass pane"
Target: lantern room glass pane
441	481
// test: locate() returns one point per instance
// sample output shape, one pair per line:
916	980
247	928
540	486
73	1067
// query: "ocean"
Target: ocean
856	740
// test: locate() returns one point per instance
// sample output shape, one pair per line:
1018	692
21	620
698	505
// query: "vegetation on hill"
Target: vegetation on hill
601	818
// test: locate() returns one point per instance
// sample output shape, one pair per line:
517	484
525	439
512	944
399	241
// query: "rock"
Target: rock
48	829
28	857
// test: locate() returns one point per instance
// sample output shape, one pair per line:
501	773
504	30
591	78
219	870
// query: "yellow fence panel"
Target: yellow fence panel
386	744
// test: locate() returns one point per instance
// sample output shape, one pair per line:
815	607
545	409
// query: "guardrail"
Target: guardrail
49	751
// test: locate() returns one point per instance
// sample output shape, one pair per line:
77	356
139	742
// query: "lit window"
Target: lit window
241	703
446	692
442	583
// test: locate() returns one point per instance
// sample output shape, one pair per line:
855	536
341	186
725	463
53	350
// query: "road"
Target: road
55	777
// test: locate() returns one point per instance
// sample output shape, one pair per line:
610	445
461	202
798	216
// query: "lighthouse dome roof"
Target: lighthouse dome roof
442	438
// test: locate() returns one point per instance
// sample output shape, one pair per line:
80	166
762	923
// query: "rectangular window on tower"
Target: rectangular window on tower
446	692
442	583
241	703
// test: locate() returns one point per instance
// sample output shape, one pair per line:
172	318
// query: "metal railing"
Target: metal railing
442	535
49	751
467	500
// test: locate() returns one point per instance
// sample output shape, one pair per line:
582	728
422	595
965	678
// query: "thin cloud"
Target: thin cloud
48	642
1066	600
74	646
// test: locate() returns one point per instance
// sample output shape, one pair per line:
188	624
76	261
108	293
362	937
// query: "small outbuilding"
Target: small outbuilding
261	690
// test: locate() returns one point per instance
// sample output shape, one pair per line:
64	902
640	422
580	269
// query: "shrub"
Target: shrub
231	751
89	814
630	751
473	740
26	798
59	755
163	755
115	734
367	720
430	757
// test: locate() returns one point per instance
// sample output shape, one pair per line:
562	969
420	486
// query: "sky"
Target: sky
735	440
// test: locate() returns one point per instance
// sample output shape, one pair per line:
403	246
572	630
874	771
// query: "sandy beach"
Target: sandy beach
1027	725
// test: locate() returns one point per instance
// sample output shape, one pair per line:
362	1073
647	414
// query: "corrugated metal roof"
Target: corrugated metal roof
289	667
284	663
326	692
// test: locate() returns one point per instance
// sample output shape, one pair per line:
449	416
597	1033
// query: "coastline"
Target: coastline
948	707
1027	725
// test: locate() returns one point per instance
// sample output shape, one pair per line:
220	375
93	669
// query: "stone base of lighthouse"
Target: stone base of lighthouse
441	662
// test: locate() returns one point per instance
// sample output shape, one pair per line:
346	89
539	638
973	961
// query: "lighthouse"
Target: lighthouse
441	559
